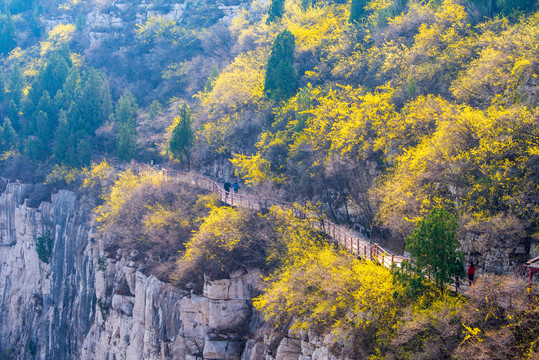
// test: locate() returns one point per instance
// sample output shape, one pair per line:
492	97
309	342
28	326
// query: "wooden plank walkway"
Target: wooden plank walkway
357	245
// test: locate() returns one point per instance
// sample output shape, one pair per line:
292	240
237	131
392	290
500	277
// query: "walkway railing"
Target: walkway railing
357	245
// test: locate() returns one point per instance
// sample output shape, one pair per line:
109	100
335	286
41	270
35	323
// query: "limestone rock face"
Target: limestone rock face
46	309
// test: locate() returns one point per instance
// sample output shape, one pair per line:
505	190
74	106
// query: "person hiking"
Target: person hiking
471	273
226	186
235	186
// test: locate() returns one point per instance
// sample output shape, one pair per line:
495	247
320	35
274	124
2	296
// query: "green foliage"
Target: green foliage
182	138
127	146
103	308
102	262
155	110
276	11
8	33
32	348
357	10
433	249
281	77
125	115
9	136
44	247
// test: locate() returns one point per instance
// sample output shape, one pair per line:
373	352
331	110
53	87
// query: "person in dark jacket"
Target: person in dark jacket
227	188
235	186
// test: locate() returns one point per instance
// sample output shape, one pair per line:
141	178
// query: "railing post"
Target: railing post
392	259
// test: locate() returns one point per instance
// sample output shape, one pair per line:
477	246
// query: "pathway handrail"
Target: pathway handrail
359	246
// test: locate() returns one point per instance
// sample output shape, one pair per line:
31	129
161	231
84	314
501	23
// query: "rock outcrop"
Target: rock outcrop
46	309
83	305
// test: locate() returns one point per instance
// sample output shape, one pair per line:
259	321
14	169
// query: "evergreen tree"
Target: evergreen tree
9	136
16	84
125	115
13	114
59	75
84	151
155	110
357	10
45	104
126	142
44	131
282	79
64	148
126	109
276	11
8	32
2	86
71	88
433	249
106	100
182	138
90	101
32	149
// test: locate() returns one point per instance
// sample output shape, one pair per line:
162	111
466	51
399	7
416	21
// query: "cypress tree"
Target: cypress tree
13	114
63	147
282	79
182	138
126	142
84	151
16	84
276	11
9	136
8	32
357	10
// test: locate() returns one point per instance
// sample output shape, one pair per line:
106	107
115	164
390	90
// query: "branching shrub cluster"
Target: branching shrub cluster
150	219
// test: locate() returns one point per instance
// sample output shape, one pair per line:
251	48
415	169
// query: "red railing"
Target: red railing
358	245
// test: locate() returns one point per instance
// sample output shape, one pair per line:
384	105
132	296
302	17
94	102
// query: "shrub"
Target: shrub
44	247
150	218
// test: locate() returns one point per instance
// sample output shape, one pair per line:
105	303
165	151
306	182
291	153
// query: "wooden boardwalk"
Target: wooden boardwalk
357	245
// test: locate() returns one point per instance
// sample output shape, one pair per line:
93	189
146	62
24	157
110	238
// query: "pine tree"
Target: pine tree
433	248
125	115
282	79
182	138
106	100
276	11
64	148
8	33
45	104
44	132
126	142
126	108
90	102
13	114
84	151
357	10
16	84
9	136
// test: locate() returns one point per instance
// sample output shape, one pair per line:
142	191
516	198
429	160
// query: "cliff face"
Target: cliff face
82	305
45	309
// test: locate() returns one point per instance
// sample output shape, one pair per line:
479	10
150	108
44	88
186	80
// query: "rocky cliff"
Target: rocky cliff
83	305
46	310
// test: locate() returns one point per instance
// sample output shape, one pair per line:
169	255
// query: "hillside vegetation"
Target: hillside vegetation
389	116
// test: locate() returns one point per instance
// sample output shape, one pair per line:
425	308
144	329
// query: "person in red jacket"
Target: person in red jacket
471	272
